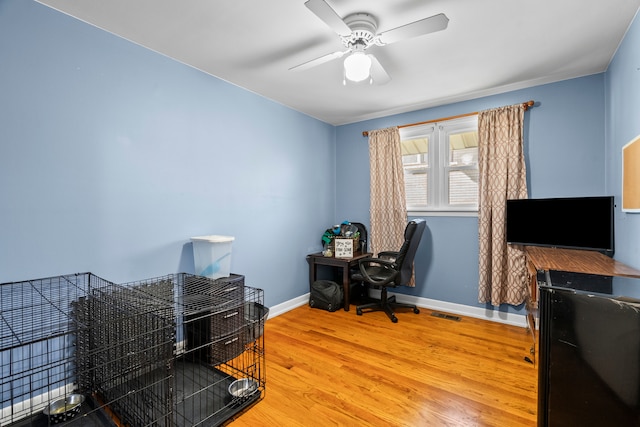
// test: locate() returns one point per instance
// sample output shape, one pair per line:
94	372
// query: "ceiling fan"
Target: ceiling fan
358	32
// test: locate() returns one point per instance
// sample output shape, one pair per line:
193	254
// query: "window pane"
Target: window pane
415	146
463	148
415	187
463	187
463	168
464	157
415	163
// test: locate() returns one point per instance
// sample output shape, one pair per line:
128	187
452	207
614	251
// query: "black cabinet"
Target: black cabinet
589	360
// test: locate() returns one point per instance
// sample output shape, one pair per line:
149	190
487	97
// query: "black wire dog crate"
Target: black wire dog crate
177	350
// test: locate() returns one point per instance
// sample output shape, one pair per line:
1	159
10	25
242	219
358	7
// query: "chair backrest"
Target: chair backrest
407	253
364	236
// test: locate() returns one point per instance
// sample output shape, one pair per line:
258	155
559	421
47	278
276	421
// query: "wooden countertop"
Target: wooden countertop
578	261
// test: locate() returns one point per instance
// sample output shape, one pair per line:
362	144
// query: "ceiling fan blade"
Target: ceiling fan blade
378	73
323	11
418	28
318	61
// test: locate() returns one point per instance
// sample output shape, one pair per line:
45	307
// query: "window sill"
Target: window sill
443	213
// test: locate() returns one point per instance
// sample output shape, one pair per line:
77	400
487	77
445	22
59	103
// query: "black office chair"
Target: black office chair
364	235
391	269
358	290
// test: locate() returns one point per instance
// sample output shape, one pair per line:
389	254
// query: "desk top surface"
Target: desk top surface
578	261
357	255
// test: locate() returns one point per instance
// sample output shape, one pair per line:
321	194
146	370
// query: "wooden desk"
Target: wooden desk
575	261
540	258
578	261
544	259
317	259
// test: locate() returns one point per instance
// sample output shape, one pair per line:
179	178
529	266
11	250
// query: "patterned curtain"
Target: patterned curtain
503	269
388	210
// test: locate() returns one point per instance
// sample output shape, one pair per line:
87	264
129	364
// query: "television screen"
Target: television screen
568	222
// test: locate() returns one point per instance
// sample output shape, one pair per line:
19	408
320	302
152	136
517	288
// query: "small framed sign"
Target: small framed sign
343	248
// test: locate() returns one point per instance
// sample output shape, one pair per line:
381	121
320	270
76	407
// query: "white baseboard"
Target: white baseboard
465	310
279	309
32	406
431	304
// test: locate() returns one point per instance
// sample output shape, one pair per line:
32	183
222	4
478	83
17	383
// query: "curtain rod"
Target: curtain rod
526	106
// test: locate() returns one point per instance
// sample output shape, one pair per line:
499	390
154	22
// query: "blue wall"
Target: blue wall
112	156
622	88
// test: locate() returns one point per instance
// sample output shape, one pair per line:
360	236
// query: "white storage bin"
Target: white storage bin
212	256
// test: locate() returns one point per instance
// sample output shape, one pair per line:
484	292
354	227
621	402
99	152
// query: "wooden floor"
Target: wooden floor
340	369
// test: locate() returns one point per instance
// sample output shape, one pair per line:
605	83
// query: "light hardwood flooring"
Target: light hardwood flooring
340	369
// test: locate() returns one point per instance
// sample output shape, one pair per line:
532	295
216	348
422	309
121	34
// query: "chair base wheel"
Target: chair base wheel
387	307
387	304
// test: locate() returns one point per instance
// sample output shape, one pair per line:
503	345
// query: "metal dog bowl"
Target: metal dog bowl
64	409
243	387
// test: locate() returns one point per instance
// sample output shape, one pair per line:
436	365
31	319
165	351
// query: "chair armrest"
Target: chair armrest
388	255
382	263
374	260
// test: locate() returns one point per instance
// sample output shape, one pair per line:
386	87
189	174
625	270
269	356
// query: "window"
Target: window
440	162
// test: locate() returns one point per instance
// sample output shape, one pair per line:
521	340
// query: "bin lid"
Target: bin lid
213	239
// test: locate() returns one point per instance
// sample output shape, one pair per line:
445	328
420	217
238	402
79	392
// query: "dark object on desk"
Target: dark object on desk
391	269
360	290
326	295
364	236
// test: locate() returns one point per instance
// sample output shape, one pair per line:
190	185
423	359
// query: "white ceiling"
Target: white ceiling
489	47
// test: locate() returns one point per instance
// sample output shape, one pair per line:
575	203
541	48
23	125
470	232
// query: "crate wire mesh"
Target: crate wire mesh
162	351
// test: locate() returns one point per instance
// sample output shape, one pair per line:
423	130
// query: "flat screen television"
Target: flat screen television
566	222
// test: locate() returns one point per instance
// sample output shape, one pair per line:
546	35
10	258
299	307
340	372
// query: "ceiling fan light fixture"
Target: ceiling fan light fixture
357	66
